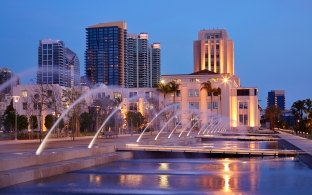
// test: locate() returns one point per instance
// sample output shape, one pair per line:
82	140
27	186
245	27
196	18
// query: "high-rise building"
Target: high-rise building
276	98
154	59
105	54
51	62
5	75
57	64
73	68
137	64
214	51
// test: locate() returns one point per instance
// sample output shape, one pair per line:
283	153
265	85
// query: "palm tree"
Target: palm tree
272	113
173	88
207	86
297	109
163	88
308	108
217	92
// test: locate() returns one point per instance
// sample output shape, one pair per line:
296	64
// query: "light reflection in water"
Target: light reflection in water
226	175
164	181
95	179
163	166
131	180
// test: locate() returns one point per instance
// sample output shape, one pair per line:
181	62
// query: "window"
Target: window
49	93
242	92
193	92
148	94
24	93
243	105
178	93
132	94
243	119
24	105
215	105
117	95
194	105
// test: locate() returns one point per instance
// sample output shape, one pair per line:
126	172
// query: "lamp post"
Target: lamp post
16	99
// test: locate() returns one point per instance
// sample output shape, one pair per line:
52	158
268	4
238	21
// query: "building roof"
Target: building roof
120	24
203	72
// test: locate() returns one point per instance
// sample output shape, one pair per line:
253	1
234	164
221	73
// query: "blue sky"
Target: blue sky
272	39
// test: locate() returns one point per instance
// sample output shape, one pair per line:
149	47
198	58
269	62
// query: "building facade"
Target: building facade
73	68
235	106
276	98
214	51
154	61
6	75
57	64
105	54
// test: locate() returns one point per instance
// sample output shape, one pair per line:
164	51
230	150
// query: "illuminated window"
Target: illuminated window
243	105
24	93
243	119
193	92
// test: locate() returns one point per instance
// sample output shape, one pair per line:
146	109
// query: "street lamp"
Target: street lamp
16	99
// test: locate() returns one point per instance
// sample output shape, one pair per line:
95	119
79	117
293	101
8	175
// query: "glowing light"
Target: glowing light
163	181
130	180
162	81
225	80
163	166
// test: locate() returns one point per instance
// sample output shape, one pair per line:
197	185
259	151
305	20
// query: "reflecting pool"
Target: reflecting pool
267	175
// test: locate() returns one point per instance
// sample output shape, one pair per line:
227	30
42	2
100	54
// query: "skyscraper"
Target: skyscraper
137	64
51	62
276	98
5	75
57	64
154	59
105	54
214	51
73	68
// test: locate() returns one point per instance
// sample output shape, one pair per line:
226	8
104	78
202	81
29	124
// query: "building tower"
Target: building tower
214	51
5	75
276	98
73	68
154	61
137	64
57	64
106	53
51	62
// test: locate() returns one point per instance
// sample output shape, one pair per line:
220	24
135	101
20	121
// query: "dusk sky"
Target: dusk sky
272	39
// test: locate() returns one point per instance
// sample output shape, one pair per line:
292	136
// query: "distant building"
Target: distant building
276	98
57	64
154	59
143	62
106	53
73	68
214	51
5	75
114	57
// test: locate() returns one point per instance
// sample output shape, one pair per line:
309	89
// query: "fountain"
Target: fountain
164	126
45	140
158	114
174	130
192	128
185	128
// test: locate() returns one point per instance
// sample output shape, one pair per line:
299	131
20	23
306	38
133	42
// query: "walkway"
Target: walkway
302	143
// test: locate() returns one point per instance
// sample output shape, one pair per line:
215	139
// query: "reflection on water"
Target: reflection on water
180	176
241	144
163	181
130	180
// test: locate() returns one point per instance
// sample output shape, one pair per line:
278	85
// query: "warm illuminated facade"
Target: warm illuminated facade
236	106
214	51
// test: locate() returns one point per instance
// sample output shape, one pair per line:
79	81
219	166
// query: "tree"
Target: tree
22	122
33	122
69	96
272	113
9	117
134	118
164	89
297	109
208	88
49	121
173	88
85	122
